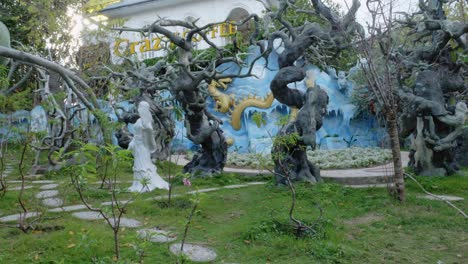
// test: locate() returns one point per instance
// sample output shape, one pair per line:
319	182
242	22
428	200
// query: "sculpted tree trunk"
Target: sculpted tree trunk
202	128
187	81
289	151
433	82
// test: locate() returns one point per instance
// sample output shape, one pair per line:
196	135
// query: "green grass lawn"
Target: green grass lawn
248	225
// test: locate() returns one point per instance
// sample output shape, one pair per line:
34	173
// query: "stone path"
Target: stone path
17	188
47	194
377	176
48	197
49	186
88	215
449	198
52	202
69	208
16	217
127	222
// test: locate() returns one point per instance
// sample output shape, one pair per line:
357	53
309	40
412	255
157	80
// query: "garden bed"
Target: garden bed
325	159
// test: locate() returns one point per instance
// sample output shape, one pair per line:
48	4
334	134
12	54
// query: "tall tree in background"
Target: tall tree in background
36	23
376	49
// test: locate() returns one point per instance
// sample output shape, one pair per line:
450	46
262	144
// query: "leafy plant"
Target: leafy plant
86	161
259	119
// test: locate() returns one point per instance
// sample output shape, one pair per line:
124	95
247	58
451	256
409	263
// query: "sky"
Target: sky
363	16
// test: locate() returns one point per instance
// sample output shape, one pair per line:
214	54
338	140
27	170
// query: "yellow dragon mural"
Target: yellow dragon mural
227	103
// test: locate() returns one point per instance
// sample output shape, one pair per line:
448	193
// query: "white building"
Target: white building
138	13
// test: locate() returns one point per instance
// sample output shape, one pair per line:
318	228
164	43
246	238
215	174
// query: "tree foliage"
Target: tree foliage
34	23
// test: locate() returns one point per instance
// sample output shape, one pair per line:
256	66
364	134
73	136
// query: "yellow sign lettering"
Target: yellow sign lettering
156	43
132	46
117	46
214	30
145	45
223	31
232	28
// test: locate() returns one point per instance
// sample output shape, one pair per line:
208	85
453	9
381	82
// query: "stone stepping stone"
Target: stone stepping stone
235	186
52	202
19	188
450	198
194	252
43	182
363	186
203	191
256	183
49	186
156	235
16	217
127	222
89	215
47	194
69	208
120	202
162	197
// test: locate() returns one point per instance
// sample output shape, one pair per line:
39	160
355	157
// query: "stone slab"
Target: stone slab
47	194
450	198
88	215
203	190
235	186
52	202
43	182
127	222
120	203
49	186
156	235
69	208
17	188
16	217
362	186
195	253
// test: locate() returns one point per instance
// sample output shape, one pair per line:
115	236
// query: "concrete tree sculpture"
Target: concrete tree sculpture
432	76
61	133
331	35
187	79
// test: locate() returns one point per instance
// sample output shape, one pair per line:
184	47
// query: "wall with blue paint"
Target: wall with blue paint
340	127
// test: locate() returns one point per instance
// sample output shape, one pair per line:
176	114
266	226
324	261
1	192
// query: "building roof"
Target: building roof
93	6
126	3
134	3
126	7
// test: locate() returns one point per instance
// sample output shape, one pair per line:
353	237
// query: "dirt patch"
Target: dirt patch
366	219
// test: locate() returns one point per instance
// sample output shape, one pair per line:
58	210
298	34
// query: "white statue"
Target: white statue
145	175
